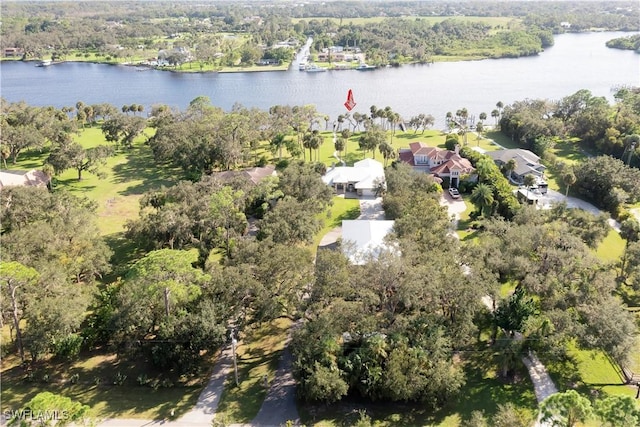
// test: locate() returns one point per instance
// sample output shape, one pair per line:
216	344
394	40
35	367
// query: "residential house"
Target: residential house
364	177
527	163
32	178
439	162
12	52
255	175
365	239
339	54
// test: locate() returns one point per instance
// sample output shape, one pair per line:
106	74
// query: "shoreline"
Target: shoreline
259	69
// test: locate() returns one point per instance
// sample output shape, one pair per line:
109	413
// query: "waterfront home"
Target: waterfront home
437	161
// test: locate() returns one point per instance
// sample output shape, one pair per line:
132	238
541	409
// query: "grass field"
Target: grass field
95	386
588	371
130	173
342	209
611	248
433	138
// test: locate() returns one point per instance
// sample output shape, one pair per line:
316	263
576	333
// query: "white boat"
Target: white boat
365	67
302	66
313	68
44	63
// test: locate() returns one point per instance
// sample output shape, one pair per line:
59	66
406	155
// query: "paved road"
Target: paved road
279	406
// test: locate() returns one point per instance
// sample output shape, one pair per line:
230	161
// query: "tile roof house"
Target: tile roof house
437	161
364	177
527	163
32	178
365	239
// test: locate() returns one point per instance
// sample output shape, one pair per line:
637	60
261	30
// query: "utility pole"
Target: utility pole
234	342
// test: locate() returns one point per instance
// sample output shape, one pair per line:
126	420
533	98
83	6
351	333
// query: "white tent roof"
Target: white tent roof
363	238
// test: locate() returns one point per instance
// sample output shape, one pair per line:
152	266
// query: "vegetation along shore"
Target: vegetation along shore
144	248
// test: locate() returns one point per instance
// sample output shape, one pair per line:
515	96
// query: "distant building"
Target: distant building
32	178
565	24
12	52
255	175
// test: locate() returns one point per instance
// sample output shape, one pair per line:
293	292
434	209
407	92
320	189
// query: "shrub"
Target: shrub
262	161
120	378
143	379
451	141
68	347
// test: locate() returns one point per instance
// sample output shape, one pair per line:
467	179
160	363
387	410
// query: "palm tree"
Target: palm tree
339	144
509	167
569	179
495	114
479	130
313	140
484	167
49	171
277	142
387	151
529	181
482	198
448	117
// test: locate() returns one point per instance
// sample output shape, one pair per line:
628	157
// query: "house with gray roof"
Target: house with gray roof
527	163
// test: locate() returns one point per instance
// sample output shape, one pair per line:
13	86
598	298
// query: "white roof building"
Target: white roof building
362	239
364	177
32	178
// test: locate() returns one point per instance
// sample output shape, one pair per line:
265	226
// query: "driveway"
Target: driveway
371	208
552	197
455	207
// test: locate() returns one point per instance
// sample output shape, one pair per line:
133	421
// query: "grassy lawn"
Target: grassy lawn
433	138
257	355
129	174
483	391
341	209
588	371
569	151
484	143
95	386
611	248
464	230
634	362
502	139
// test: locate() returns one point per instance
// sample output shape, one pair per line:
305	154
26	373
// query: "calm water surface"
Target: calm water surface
576	61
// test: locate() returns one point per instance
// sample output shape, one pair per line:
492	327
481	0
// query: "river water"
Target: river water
576	61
